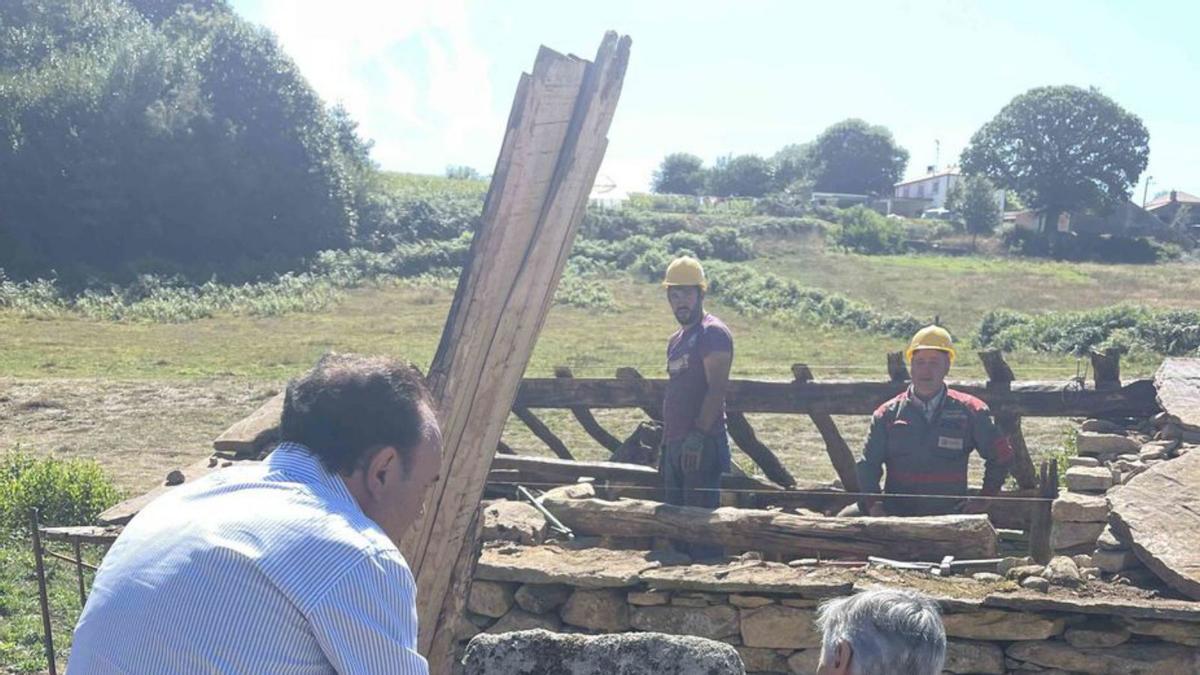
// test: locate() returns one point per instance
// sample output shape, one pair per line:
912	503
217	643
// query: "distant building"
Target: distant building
932	189
1168	206
1127	220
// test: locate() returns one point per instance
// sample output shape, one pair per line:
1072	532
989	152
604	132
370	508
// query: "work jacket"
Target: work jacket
928	455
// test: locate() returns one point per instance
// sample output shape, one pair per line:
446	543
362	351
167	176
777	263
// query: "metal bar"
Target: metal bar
79	572
40	564
64	558
537	504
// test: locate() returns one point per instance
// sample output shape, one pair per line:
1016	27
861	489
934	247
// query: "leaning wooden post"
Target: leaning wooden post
1106	368
743	435
835	446
587	420
1000	377
539	429
628	374
551	153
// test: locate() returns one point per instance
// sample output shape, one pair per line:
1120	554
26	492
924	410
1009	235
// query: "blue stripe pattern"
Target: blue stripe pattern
267	568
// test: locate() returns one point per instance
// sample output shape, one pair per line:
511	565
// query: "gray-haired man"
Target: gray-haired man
880	632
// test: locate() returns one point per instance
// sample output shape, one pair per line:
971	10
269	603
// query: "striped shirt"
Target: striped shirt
267	568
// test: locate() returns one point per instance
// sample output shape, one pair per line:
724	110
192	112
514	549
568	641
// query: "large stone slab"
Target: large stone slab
1066	601
1126	659
716	622
1079	508
752	577
1089	479
580	565
539	651
1177	382
1092	444
1173	631
779	627
518	522
1066	535
994	624
1158	513
250	435
977	658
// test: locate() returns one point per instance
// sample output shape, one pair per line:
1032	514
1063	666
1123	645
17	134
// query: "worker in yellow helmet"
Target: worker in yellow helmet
699	356
924	438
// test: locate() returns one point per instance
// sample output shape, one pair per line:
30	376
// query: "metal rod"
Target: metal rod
40	564
554	522
79	571
64	558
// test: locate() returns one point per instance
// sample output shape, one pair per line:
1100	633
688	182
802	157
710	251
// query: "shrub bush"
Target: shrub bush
1088	247
866	231
65	491
1169	332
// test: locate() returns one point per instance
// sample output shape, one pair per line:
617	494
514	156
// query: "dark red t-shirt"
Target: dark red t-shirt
688	384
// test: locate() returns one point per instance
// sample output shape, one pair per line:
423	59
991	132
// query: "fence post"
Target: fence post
40	563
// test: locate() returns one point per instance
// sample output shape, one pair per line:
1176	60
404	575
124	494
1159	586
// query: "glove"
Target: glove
692	451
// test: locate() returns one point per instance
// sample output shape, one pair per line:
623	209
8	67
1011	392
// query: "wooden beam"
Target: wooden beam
1031	399
917	538
1106	368
1042	521
588	421
539	429
652	410
835	446
504	448
897	371
743	435
1000	378
552	150
545	471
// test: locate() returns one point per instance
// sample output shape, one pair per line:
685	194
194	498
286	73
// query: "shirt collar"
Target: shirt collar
927	408
302	465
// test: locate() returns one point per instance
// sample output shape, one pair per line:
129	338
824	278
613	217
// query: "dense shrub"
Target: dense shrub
1170	332
1087	247
616	224
688	243
64	491
866	231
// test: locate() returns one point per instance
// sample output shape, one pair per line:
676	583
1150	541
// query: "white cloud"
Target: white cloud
409	72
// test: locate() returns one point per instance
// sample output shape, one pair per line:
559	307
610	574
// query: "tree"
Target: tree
1062	148
791	164
858	158
462	172
974	199
741	176
679	174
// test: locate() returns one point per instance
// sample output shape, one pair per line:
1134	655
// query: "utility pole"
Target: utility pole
1146	191
937	154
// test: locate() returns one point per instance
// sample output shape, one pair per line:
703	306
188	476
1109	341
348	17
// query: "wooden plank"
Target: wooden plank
1177	383
743	435
1000	378
1030	399
588	421
1158	513
85	534
835	446
1106	368
249	436
552	149
543	472
916	538
897	370
539	429
1042	521
652	410
123	512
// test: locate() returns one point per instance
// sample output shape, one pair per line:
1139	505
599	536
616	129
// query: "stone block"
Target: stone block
779	627
713	622
1065	536
758	660
1120	660
749	601
997	624
513	521
628	653
967	656
1096	634
518	619
1098	426
1082	461
542	598
1093	444
1089	479
804	662
1062	571
649	598
1080	508
600	610
1111	562
490	598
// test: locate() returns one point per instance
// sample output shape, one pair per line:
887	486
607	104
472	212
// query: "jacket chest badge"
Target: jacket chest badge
950	443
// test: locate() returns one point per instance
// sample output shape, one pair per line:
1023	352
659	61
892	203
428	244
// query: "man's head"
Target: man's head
930	354
879	632
370	420
686	284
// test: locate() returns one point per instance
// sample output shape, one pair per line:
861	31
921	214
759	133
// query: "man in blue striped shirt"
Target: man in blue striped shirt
287	566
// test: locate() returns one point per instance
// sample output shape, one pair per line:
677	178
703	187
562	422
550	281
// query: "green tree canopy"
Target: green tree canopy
190	145
974	199
1062	148
679	174
855	157
741	176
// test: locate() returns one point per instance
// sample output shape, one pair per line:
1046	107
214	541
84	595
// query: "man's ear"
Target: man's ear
841	657
383	467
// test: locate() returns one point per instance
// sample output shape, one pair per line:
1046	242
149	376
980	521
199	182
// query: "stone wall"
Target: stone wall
766	611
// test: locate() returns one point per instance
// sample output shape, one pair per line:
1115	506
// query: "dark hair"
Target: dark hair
349	405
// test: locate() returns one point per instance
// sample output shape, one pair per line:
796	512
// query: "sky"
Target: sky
431	81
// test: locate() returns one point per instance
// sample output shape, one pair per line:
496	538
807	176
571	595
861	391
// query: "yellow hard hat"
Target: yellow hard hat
685	271
931	337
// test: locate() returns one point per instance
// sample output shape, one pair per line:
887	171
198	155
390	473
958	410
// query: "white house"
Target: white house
935	186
